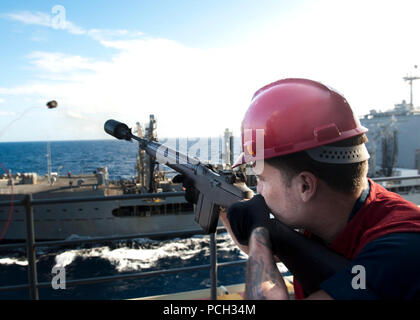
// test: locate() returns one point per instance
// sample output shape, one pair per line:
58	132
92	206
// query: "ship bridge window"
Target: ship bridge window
153	210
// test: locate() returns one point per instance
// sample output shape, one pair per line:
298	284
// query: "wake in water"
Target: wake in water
145	253
124	257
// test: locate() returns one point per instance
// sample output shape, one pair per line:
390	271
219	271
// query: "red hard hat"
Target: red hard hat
296	115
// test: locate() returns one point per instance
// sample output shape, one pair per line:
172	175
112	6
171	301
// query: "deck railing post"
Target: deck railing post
30	248
213	266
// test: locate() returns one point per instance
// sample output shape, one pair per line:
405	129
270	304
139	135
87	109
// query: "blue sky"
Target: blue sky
194	64
192	23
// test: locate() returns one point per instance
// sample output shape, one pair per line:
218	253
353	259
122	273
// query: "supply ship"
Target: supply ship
100	218
394	145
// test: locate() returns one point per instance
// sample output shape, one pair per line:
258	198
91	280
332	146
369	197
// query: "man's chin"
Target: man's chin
290	224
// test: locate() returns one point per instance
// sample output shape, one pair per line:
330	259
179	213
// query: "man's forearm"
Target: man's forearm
263	279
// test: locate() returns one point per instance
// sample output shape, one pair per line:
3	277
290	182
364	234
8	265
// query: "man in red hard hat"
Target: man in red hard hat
314	178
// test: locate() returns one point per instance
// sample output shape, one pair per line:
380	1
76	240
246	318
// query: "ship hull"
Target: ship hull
93	219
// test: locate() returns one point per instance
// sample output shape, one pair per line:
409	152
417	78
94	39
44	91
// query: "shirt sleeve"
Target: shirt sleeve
386	268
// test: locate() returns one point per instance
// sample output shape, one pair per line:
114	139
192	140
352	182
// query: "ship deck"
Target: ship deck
232	292
42	186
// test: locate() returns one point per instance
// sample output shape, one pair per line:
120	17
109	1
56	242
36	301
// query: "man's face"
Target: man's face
279	195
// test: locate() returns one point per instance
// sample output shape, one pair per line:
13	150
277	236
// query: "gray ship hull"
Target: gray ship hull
90	219
93	219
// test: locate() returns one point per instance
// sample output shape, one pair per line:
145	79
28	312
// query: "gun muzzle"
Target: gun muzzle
118	130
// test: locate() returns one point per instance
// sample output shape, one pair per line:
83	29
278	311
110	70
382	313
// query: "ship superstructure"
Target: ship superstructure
394	137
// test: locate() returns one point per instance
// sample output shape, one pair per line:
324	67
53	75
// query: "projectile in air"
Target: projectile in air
52	104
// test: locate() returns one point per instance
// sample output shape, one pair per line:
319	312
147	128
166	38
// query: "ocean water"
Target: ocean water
113	258
86	156
122	257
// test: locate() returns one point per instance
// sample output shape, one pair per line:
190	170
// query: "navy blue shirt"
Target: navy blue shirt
391	268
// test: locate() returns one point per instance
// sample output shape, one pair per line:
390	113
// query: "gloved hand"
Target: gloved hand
191	193
245	216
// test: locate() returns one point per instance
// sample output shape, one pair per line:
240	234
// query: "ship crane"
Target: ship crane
410	80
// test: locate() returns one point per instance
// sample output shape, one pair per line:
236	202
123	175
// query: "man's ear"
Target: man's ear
307	184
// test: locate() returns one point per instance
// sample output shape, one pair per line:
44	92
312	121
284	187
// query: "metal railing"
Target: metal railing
28	202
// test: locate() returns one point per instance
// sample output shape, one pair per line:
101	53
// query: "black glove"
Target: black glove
191	193
245	216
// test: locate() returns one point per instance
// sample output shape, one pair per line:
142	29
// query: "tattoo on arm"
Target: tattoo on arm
262	274
254	273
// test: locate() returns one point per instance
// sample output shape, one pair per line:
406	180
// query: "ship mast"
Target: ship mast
150	161
410	80
141	175
145	163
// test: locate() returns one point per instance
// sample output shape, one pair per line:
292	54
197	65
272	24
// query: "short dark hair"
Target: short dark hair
345	178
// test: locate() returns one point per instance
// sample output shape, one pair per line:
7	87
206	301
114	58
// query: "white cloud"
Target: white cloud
103	34
31	18
47	20
74	115
7	114
182	86
74	29
44	19
28	89
57	62
1	100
